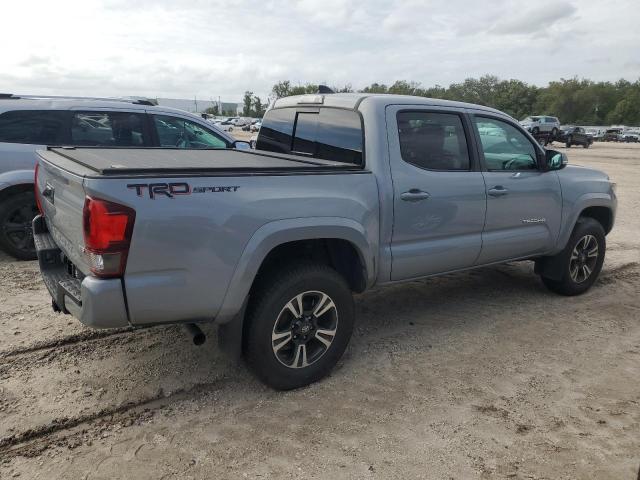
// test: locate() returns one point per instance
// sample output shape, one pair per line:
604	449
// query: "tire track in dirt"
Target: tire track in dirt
35	440
64	341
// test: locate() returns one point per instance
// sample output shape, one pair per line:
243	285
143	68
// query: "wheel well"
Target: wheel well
602	215
341	255
15	189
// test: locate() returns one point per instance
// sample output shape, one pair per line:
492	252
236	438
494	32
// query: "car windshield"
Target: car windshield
531	119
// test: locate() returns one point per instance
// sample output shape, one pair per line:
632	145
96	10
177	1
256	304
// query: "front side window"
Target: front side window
506	148
327	133
108	129
38	127
434	141
180	133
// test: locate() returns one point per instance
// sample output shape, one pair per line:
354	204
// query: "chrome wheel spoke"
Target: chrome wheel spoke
324	305
295	306
574	273
322	334
586	271
300	360
280	340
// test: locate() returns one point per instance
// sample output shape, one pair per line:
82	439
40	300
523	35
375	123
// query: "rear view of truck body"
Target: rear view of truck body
201	222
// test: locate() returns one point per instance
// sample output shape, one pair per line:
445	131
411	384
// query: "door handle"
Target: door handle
414	195
498	191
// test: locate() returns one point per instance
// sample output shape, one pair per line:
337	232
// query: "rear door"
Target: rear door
439	193
524	203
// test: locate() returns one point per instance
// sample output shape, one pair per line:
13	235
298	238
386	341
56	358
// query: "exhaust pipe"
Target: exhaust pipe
196	333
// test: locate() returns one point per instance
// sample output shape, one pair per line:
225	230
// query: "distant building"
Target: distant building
198	106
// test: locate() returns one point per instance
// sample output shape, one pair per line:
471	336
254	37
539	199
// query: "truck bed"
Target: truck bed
92	162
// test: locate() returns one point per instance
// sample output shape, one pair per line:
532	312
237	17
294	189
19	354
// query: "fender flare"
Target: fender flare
16	177
583	202
278	232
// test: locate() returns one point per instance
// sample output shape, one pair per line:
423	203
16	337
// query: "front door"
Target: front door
439	193
524	202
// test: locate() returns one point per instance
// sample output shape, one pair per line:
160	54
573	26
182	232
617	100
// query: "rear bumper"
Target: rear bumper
98	303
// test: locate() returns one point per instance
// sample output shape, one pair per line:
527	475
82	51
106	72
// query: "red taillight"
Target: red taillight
37	190
107	234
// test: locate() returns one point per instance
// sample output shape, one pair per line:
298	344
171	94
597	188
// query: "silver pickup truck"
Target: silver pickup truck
345	191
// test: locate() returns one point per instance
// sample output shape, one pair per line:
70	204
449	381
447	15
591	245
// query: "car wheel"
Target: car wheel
586	144
554	132
581	260
16	236
298	325
569	140
535	130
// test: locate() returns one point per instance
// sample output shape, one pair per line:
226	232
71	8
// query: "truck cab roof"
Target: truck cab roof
353	101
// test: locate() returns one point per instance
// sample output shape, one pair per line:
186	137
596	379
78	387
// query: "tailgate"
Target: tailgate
62	196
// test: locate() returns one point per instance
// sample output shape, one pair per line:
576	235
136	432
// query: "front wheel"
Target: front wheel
16	236
569	141
298	325
554	132
582	259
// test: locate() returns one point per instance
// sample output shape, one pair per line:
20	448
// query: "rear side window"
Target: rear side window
327	133
39	127
108	129
434	141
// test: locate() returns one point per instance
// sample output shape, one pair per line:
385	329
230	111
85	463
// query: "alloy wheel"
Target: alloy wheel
304	329
583	259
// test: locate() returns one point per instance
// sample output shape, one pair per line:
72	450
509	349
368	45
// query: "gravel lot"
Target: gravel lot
475	375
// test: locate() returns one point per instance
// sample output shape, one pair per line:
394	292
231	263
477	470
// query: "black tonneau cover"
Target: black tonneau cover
132	161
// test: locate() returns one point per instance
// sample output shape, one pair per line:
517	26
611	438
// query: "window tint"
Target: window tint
177	132
328	133
504	146
108	129
434	141
40	127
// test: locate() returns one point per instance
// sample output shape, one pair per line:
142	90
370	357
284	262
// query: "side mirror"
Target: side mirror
556	160
240	145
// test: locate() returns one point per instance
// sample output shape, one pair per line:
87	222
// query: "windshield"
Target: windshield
531	119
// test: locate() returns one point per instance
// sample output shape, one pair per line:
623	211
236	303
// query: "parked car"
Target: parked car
595	134
272	243
30	123
224	125
255	126
542	124
628	136
612	135
572	135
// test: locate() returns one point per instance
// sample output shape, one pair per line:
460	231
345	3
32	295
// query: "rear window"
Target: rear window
39	127
327	133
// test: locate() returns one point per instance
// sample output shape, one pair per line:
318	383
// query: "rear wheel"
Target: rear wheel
554	132
586	144
569	141
16	235
582	259
298	325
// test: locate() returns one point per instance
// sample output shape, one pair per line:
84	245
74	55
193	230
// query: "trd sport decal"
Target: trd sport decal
179	188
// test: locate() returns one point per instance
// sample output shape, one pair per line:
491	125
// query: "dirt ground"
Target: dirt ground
481	375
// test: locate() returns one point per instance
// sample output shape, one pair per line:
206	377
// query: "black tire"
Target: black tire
535	130
16	236
586	145
554	132
268	316
568	284
569	140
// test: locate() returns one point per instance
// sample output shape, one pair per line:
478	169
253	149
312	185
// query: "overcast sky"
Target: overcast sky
211	48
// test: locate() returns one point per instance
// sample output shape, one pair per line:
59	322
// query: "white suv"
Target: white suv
541	124
31	123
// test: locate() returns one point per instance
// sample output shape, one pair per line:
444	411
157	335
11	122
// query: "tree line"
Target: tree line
583	102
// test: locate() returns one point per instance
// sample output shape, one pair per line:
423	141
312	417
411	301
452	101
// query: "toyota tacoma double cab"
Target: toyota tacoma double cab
344	192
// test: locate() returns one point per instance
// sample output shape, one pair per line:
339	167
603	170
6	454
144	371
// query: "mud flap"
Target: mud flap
230	336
